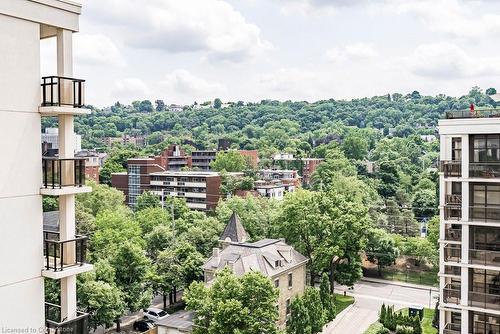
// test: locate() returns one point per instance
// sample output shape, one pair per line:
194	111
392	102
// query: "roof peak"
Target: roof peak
234	230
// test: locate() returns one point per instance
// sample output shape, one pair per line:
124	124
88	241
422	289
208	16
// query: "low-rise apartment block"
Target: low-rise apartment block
137	178
201	160
201	190
305	166
275	183
176	158
92	164
470	222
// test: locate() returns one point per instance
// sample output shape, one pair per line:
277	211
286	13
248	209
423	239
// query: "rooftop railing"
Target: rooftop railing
60	255
467	113
62	91
487	170
451	168
58	173
57	325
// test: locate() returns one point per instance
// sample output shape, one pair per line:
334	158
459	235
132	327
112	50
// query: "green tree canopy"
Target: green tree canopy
245	305
229	161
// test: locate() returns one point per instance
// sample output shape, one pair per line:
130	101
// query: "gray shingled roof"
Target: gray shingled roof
270	257
182	321
234	230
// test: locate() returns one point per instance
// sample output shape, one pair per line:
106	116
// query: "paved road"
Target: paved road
370	295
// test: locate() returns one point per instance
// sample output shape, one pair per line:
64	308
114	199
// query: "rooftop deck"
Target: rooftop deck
467	113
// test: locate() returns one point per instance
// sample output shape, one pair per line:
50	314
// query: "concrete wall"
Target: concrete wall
21	284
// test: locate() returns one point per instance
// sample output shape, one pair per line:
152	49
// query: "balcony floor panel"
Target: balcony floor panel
69	271
56	111
65	191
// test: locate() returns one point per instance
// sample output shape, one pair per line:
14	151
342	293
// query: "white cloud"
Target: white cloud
97	49
189	87
453	17
351	52
184	82
446	60
301	83
130	89
211	26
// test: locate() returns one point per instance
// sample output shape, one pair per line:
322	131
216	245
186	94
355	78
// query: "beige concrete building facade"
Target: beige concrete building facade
27	255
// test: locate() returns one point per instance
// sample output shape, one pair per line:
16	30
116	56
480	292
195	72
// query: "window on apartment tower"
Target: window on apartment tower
485	148
456	149
290	280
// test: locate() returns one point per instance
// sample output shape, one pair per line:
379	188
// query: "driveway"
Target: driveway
370	295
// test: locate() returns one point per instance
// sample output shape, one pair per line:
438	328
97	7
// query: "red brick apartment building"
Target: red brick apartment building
138	177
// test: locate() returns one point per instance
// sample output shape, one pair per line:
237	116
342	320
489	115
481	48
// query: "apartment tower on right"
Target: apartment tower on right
470	222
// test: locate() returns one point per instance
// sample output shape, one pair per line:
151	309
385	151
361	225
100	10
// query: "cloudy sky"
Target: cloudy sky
183	51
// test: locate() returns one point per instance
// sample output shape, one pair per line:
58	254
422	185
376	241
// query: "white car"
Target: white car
155	314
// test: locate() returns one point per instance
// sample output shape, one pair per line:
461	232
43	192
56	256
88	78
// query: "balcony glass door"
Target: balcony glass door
485	201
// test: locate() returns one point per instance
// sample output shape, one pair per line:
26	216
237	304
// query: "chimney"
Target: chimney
216	253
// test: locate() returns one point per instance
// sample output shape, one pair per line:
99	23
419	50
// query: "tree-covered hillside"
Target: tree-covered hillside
272	126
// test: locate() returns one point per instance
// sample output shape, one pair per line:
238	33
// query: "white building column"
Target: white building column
464	328
465	156
66	146
464	280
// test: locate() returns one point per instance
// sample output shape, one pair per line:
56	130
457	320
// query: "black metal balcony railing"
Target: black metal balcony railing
451	294
57	325
452	329
487	170
484	300
451	168
58	173
467	113
484	213
452	270
62	91
453	199
63	254
452	253
453	234
452	212
484	257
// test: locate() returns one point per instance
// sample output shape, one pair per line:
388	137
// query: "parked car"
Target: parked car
143	325
155	314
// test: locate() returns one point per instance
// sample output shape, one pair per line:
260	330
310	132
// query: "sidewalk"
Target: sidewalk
399	283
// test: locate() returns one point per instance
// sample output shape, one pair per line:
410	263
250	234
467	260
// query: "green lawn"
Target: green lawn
374	328
424	277
341	302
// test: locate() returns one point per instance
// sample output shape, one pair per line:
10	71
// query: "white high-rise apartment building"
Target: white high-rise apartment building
470	222
28	256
